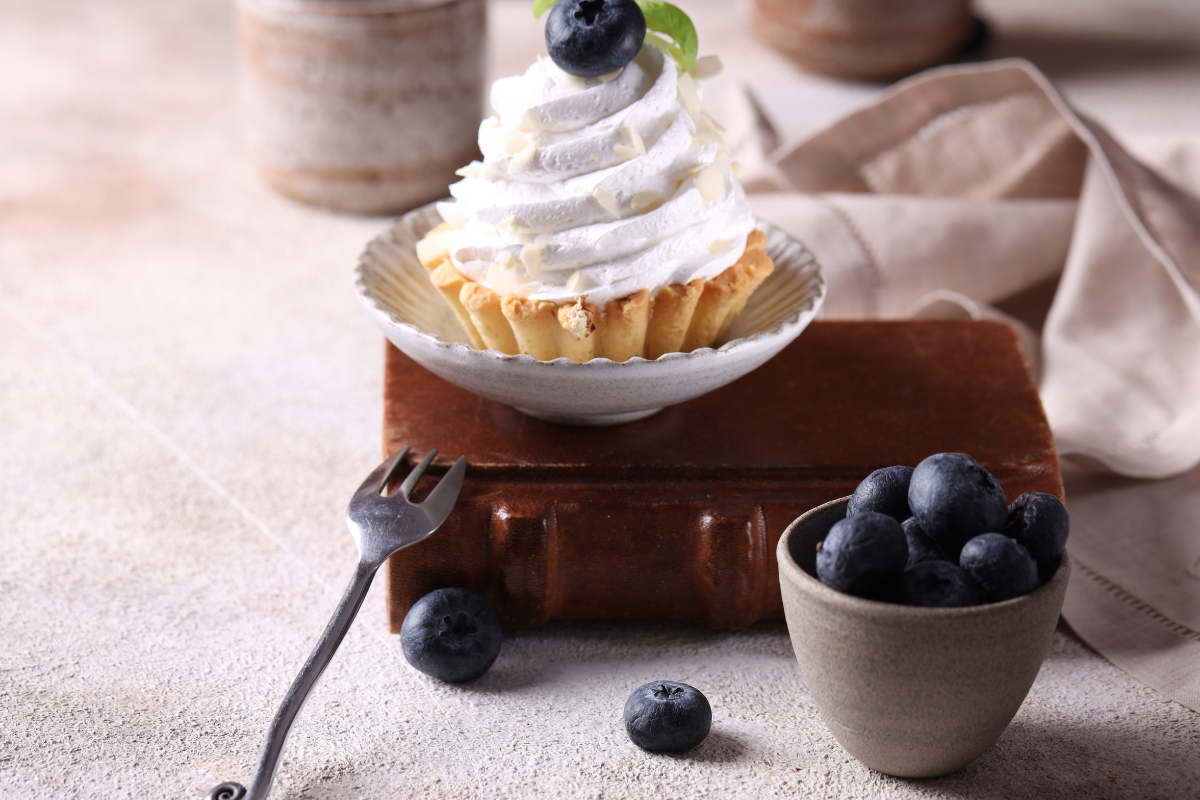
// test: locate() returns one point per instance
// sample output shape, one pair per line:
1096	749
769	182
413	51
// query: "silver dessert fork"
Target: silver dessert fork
381	525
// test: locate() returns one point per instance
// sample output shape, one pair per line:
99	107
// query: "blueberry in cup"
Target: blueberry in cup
937	584
884	490
1001	566
961	545
1040	523
863	555
920	546
954	499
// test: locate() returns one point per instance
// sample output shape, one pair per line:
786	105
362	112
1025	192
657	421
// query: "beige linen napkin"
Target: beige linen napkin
973	183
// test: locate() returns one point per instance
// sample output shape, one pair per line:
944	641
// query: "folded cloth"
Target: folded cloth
983	180
978	182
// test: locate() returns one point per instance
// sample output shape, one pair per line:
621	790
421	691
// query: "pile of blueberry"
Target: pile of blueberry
942	535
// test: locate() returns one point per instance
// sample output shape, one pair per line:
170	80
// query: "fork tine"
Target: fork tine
380	476
441	500
410	482
394	466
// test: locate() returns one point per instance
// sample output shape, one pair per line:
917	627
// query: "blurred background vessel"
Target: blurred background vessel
366	106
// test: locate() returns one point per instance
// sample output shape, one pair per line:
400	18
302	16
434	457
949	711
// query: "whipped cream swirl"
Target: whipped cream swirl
596	188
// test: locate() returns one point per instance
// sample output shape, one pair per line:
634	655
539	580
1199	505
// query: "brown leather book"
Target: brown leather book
676	517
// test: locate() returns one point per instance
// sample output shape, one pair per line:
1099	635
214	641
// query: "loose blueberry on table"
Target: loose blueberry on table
961	546
667	717
590	38
451	634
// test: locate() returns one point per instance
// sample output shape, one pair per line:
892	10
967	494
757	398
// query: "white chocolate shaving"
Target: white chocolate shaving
578	282
472	170
531	257
646	201
719	246
635	139
736	168
710	182
606	200
688	96
624	152
704	122
706	67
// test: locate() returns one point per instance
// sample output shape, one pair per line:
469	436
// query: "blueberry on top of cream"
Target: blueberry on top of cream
590	38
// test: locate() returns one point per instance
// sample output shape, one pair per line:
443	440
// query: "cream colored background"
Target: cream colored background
189	393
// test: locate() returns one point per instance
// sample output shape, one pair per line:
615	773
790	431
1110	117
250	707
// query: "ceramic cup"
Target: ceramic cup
864	39
911	692
366	106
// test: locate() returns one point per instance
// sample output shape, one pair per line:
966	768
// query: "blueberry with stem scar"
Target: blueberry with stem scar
451	634
667	717
590	38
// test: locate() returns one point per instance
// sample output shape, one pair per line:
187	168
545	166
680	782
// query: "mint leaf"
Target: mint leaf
665	18
540	6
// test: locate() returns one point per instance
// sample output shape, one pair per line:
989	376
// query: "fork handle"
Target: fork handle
272	749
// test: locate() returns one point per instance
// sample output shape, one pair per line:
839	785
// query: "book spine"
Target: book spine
602	555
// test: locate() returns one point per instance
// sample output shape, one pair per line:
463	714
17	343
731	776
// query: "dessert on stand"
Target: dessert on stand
601	262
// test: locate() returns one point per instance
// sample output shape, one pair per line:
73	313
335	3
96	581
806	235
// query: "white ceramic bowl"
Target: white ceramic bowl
395	290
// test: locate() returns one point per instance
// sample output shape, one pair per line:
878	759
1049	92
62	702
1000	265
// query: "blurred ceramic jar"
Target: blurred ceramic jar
366	106
864	39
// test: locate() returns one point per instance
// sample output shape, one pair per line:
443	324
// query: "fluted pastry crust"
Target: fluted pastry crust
678	318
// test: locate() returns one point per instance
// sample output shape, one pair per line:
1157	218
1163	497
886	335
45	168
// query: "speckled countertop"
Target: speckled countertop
189	392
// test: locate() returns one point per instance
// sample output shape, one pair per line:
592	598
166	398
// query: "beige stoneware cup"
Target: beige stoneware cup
366	106
911	692
863	39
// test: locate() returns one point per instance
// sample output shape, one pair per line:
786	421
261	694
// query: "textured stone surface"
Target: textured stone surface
188	394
